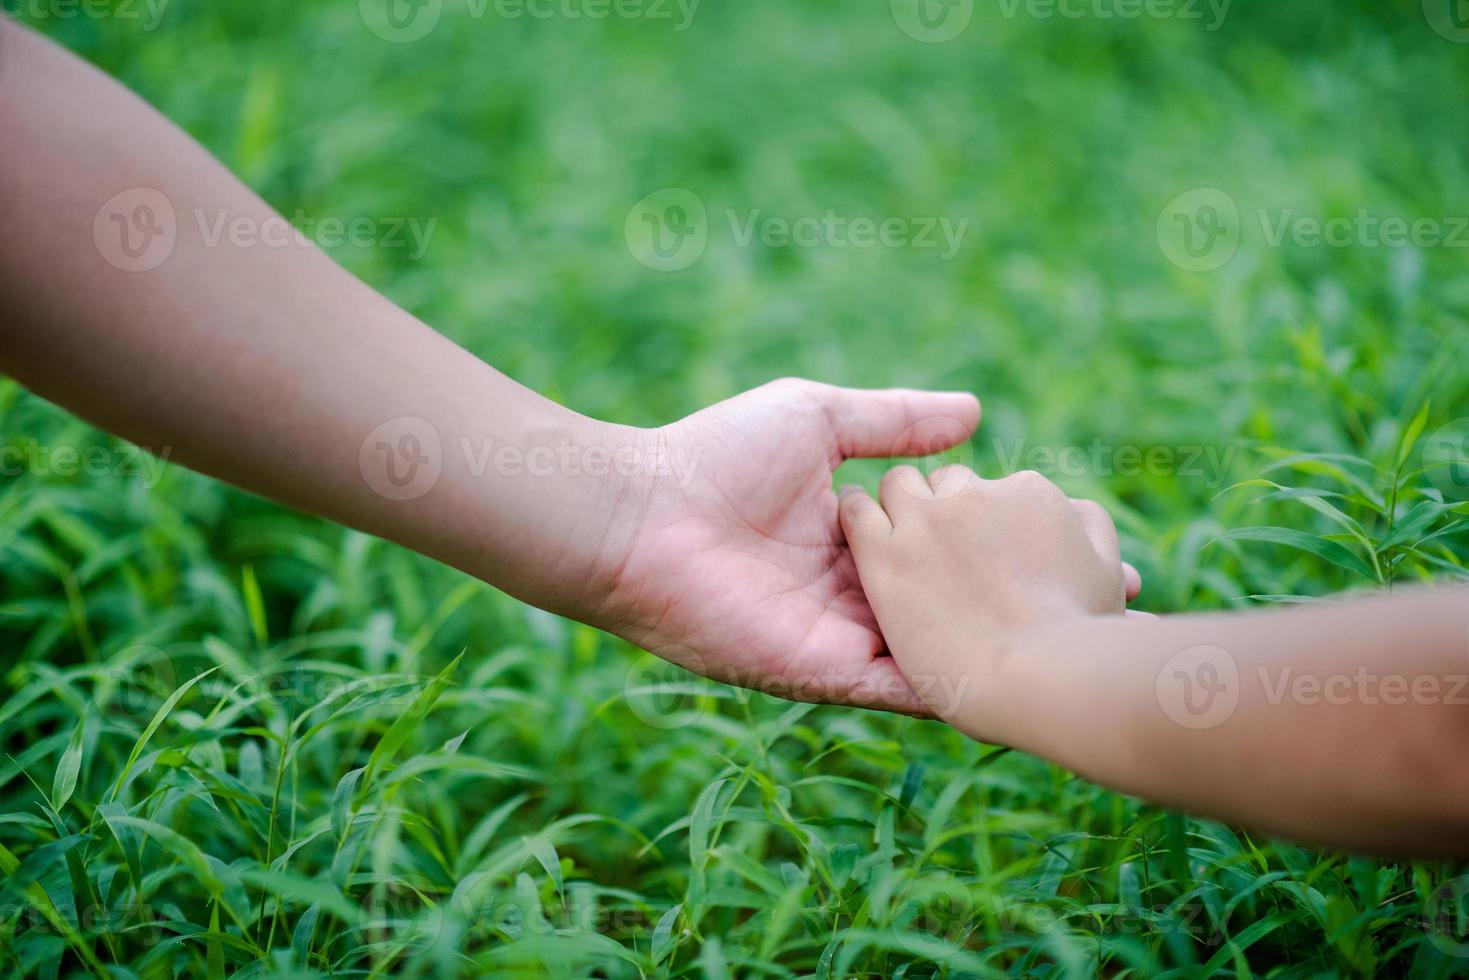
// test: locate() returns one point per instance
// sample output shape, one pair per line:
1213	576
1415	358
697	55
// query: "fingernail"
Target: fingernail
848	488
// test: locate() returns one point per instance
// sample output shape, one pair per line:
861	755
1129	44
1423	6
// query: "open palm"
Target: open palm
739	570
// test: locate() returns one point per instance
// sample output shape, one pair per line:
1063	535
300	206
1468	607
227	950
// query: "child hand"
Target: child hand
956	567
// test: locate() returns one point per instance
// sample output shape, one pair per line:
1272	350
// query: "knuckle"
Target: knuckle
1030	482
789	386
1091	510
953	471
897	476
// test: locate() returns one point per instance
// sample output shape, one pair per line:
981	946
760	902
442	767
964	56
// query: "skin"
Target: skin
1345	725
714	543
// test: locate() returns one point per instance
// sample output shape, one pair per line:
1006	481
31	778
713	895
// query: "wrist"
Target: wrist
618	488
1009	701
556	498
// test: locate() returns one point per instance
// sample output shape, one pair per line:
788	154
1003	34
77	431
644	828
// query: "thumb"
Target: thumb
864	523
898	421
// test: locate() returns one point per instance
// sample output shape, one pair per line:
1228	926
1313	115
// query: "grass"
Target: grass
237	739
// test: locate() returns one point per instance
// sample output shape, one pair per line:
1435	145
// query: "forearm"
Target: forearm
1345	725
268	365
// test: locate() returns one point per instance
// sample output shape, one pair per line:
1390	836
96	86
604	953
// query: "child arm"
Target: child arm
1345	724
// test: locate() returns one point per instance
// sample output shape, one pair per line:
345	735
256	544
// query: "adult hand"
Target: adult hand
739	570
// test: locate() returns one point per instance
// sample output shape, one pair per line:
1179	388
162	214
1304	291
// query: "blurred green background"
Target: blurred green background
603	816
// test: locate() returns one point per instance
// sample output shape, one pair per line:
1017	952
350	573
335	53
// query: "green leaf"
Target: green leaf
1412	434
176	844
127	840
545	854
663	934
162	713
1301	541
39	862
750	869
342	802
407	723
254	604
304	891
1327	465
214	950
1412	524
303	933
1235	946
65	782
912	781
700	822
